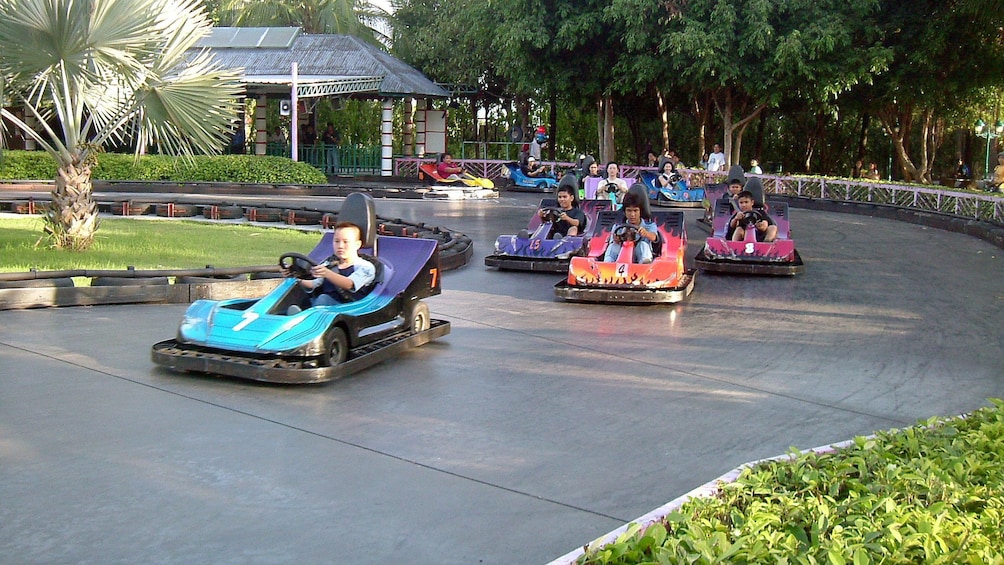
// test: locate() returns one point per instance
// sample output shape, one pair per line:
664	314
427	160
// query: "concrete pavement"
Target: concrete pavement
531	429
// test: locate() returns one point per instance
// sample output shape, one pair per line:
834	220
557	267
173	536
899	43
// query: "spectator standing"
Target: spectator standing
716	161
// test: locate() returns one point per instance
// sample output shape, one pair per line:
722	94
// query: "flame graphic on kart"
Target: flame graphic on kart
538	248
774	252
588	271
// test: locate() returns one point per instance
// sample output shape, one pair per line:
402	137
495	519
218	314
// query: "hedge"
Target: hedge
931	493
39	165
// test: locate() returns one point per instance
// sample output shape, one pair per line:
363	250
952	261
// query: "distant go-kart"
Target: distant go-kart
749	256
464	186
534	250
678	194
264	340
521	182
664	280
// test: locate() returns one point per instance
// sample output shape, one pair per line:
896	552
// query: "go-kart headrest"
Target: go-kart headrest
637	195
736	172
571	182
755	187
585	162
360	210
439	158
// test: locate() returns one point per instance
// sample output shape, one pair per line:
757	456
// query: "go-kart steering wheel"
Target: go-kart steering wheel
752	217
627	232
550	215
297	264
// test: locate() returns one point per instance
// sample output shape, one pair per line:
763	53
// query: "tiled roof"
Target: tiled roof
317	57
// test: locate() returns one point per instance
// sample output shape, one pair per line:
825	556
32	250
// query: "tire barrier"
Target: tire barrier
222	212
175	210
219	278
27	207
455	251
59	282
264	214
130	208
266	275
129	281
302	217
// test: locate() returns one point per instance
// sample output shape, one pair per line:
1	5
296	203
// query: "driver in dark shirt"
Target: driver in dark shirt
570	220
747	217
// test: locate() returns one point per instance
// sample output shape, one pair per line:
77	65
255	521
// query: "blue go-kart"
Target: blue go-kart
533	249
519	181
679	193
266	340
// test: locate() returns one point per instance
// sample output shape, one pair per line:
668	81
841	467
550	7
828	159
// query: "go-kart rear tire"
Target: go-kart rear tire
418	317
542	186
336	348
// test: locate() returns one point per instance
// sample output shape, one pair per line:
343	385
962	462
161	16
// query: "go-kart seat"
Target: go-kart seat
569	180
358	209
672	233
592	209
779	213
755	187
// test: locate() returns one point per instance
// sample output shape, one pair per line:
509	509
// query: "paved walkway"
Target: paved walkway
533	428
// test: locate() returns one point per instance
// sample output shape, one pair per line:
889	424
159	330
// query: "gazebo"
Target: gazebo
286	64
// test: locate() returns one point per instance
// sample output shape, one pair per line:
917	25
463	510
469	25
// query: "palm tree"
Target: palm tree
109	70
359	18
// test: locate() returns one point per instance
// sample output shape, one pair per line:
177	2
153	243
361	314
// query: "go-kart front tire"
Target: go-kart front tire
336	348
418	318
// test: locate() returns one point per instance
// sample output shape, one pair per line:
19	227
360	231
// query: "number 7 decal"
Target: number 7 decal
435	276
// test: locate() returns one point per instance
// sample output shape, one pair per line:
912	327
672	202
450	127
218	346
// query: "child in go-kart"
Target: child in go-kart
342	277
571	221
748	218
646	230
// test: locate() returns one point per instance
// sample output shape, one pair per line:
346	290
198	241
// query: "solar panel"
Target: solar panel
249	37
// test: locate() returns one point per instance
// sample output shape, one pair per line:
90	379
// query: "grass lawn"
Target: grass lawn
150	244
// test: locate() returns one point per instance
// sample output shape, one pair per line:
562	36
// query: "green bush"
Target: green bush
38	165
932	493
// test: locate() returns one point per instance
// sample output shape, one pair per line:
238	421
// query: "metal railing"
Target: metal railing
968	204
334	159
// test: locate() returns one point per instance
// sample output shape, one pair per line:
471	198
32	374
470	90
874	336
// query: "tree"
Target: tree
740	57
941	61
347	17
94	71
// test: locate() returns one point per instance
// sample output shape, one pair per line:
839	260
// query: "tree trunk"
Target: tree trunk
71	219
702	113
729	128
664	118
608	151
863	137
552	119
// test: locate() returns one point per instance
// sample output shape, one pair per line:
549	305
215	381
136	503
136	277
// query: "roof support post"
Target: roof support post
420	128
387	137
260	124
409	126
294	133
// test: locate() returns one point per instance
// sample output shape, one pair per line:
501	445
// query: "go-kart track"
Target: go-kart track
533	428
